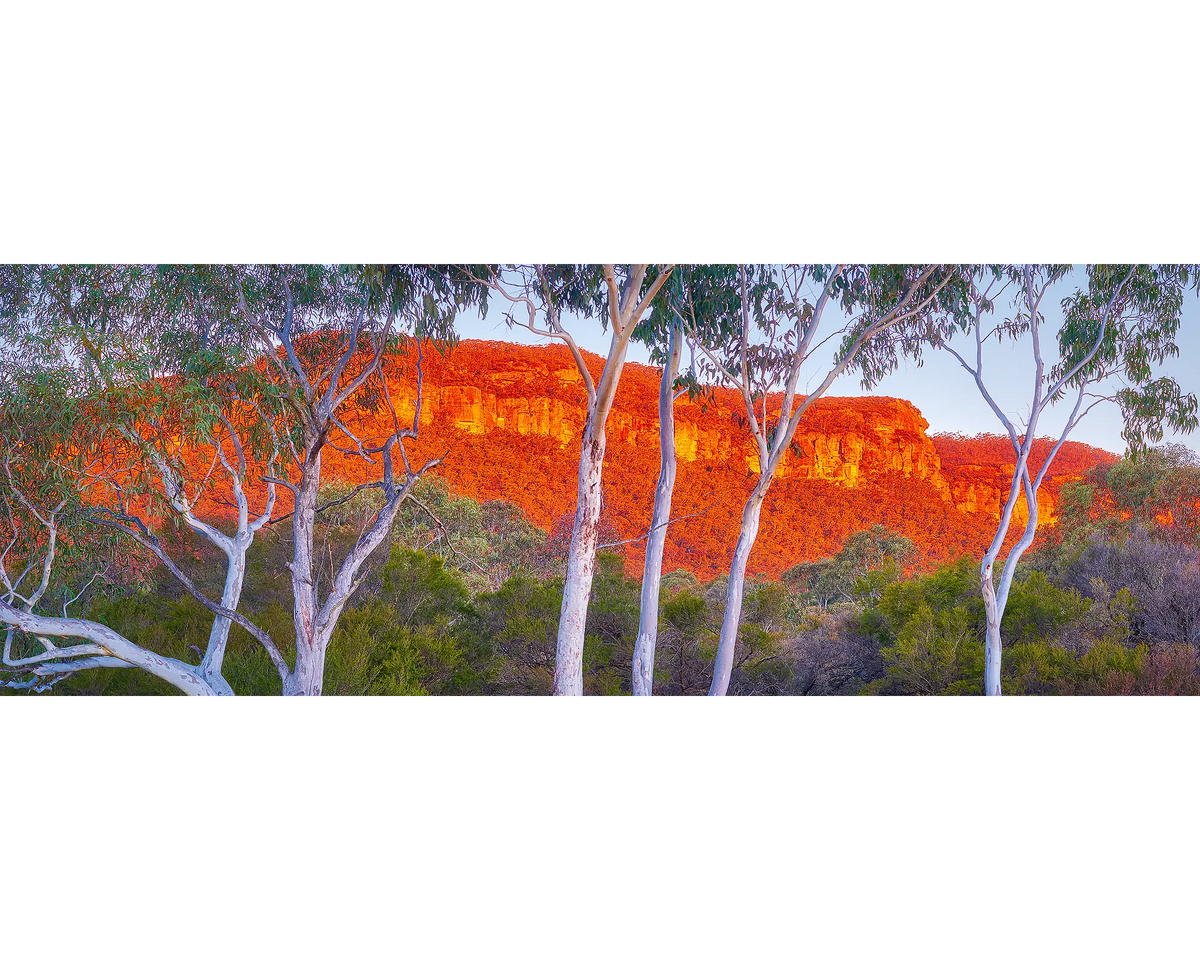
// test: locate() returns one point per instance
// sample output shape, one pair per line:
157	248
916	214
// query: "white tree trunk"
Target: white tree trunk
581	565
105	647
316	622
581	561
991	655
218	638
625	308
643	649
723	670
996	601
306	676
307	680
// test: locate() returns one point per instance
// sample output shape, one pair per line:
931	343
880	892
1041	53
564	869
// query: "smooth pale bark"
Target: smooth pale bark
735	590
110	649
992	650
306	678
225	613
581	564
315	622
625	309
996	598
235	549
995	601
772	444
218	637
581	560
106	647
770	453
643	649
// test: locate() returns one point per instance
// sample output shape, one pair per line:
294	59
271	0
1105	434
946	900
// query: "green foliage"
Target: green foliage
934	653
769	605
178	627
486	543
1108	669
1125	321
950	587
687	642
414	629
1081	514
402	640
170	627
715	589
419	589
685	612
1037	668
342	508
372	653
719	301
866	565
1157	490
612	626
517	628
678	580
1037	609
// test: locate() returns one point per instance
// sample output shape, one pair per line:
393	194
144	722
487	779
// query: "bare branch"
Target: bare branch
657	526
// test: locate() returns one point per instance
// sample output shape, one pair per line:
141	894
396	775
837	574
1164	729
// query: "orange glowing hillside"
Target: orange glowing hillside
511	417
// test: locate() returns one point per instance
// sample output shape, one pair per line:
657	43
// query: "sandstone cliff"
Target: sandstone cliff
485	387
847	443
511	417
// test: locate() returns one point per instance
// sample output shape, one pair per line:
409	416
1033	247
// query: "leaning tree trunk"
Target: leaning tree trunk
106	648
218	639
643	649
723	670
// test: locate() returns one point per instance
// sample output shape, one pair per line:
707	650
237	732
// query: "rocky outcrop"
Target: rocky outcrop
983	488
862	444
842	441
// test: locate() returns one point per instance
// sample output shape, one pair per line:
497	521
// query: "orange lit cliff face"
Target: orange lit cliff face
511	418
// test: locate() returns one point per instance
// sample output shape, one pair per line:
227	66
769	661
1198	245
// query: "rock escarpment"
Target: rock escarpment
510	418
485	387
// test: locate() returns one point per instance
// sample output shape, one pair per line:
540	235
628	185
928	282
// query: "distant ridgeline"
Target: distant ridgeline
511	417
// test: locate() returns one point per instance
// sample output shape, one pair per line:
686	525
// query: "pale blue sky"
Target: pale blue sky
941	389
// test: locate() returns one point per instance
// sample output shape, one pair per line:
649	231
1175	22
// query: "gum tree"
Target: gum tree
1118	326
329	340
660	517
617	296
787	313
49	518
98	418
292	358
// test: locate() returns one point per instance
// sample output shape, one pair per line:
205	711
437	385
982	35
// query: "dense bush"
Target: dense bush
469	604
